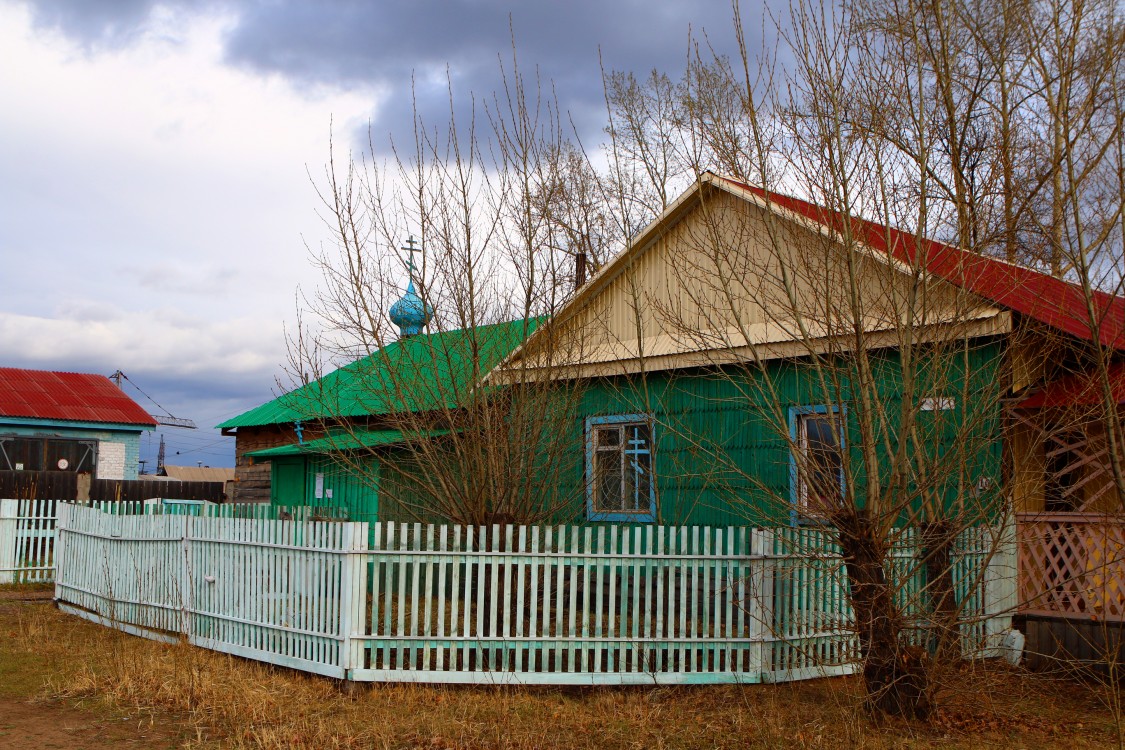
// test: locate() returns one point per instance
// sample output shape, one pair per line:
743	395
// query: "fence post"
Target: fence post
186	620
761	600
9	515
353	595
62	523
1001	579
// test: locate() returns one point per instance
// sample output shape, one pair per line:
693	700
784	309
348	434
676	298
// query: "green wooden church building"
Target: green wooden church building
333	443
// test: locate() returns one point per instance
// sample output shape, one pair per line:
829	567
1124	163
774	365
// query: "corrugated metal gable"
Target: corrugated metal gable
1048	299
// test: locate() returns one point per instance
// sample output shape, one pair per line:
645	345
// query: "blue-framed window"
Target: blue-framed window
816	464
619	478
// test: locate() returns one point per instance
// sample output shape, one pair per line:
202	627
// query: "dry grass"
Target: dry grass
249	705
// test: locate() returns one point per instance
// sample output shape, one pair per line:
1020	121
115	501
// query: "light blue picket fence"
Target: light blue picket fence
27	527
27	541
500	604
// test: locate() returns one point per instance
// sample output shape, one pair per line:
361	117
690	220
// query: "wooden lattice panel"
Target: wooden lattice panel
1072	565
1076	463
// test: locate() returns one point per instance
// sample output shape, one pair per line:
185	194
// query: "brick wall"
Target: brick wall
111	460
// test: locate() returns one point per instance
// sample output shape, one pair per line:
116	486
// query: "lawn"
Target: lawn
58	664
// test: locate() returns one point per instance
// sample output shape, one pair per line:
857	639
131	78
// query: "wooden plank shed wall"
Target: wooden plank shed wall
353	485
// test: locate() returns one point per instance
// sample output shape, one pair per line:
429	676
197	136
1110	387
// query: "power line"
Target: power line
166	418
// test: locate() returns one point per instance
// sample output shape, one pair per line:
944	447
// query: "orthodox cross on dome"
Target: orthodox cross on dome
411	247
411	313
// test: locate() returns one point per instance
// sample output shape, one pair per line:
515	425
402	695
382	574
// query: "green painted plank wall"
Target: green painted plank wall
354	490
721	439
721	445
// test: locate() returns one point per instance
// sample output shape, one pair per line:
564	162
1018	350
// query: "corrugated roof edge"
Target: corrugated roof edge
275	411
102	402
359	441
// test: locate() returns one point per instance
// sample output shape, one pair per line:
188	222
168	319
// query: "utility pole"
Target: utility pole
160	457
165	418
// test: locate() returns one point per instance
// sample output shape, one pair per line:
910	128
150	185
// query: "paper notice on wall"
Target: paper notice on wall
319	491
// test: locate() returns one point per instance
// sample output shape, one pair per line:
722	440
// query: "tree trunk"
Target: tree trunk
937	551
896	676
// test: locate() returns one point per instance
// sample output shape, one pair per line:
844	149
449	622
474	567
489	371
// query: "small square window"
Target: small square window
619	484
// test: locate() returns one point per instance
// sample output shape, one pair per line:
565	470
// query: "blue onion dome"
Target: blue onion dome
411	313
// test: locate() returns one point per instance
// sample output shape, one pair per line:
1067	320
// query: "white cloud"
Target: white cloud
154	201
168	341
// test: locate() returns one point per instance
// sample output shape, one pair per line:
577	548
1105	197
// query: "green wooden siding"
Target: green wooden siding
354	490
287	482
721	441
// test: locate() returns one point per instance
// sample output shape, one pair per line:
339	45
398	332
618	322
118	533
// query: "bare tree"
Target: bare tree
837	325
484	198
995	129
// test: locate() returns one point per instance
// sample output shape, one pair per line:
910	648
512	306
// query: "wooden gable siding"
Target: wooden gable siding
707	282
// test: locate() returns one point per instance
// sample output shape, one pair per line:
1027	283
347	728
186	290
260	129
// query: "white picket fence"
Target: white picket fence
27	527
532	605
27	541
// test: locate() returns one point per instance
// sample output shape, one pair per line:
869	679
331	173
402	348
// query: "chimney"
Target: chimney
579	270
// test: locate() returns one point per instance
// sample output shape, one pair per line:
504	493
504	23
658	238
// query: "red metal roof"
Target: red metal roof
1046	298
69	396
1078	390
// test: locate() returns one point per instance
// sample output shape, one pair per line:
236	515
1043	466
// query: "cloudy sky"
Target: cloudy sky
155	204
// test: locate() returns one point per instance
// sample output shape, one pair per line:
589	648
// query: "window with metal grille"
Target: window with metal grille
619	477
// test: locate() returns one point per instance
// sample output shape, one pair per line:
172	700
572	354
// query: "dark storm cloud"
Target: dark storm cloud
395	41
387	43
210	370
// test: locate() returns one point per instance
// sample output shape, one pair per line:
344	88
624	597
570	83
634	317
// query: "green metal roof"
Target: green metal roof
346	442
418	373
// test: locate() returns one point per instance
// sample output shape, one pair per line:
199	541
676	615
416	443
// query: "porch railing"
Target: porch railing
1072	565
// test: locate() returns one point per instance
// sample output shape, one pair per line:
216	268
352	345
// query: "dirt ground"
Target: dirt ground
26	724
28	721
